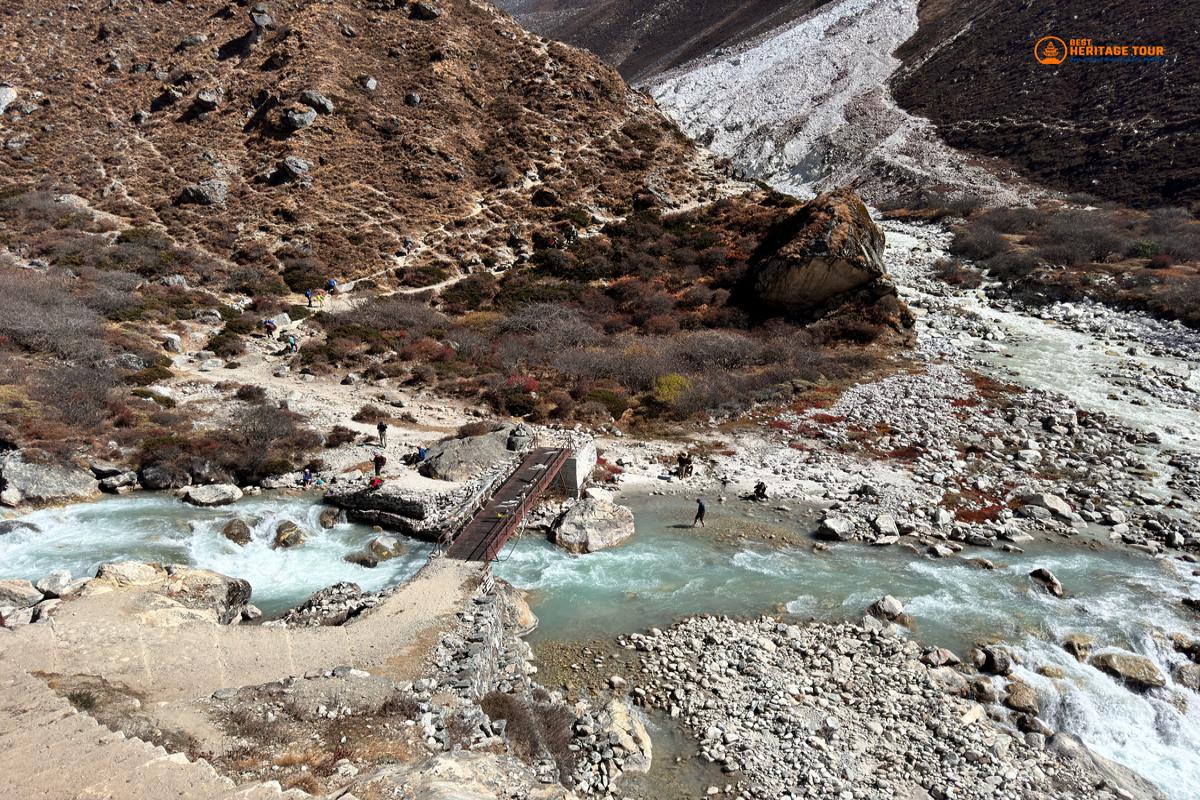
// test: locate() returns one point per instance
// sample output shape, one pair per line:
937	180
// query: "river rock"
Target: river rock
1187	676
518	617
886	607
330	517
462	459
1078	645
826	249
119	484
836	529
363	558
1052	503
950	681
885	526
385	547
19	594
220	494
237	532
1020	696
25	483
288	535
17	526
55	584
630	733
1137	671
993	659
1048	581
592	525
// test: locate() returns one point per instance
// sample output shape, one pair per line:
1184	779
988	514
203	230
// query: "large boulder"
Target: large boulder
462	459
592	525
220	494
24	483
1136	671
207	590
826	250
19	594
1051	502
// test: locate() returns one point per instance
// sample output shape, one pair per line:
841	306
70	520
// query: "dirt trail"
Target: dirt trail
114	636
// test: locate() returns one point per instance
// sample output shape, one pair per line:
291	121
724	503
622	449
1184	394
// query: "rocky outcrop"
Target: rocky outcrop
593	524
424	515
220	494
23	483
1136	671
183	593
465	458
825	251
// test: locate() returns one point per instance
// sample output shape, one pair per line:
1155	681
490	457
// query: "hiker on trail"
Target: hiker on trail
375	483
421	453
331	286
307	478
292	345
379	462
760	491
382	428
700	509
319	296
269	325
309	294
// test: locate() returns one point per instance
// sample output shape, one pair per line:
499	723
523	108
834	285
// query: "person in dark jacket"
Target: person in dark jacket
700	509
379	461
382	428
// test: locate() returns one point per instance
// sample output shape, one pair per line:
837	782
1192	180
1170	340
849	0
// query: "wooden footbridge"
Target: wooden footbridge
483	535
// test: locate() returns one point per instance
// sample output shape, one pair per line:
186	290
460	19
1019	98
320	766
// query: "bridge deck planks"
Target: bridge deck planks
483	536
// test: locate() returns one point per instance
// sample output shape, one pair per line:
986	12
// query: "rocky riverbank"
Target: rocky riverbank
825	710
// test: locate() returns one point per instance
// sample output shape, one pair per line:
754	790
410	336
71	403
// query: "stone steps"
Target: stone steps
50	751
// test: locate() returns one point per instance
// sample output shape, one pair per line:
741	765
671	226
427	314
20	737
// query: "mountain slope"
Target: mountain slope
644	37
806	108
1125	132
448	138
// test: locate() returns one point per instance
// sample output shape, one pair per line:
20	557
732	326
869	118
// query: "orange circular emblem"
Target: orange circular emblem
1050	50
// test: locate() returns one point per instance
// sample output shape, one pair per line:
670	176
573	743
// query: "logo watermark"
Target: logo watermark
1053	50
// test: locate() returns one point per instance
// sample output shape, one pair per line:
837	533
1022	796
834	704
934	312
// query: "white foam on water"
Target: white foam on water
161	528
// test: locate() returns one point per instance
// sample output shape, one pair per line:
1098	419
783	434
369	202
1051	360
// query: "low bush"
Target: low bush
978	242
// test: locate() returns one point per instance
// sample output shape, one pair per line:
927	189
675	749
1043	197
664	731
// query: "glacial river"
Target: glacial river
668	571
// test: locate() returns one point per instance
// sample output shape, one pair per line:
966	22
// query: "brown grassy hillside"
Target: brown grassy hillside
450	138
